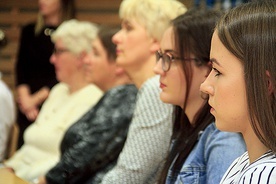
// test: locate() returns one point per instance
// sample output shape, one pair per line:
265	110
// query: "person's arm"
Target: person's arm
148	139
7	117
29	103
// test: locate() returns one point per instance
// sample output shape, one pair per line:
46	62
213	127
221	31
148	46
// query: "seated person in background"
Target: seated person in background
199	151
7	109
67	102
7	116
148	139
92	145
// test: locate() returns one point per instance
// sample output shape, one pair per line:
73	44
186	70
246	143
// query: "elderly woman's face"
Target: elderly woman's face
133	44
65	62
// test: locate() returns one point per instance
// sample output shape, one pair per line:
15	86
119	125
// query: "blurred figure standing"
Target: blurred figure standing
7	109
35	75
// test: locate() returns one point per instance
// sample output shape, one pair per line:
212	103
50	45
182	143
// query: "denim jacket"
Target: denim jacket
210	158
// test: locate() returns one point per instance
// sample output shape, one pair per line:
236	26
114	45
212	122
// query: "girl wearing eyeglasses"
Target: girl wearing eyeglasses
199	151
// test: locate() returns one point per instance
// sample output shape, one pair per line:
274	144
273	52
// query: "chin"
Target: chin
220	126
119	60
165	99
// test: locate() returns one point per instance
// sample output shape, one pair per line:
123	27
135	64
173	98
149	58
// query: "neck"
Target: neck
142	73
254	146
192	109
77	87
117	81
77	82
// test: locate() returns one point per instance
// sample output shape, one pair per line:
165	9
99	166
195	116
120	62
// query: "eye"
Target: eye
216	71
127	26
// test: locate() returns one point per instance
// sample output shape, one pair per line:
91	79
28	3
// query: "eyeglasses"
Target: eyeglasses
57	51
168	58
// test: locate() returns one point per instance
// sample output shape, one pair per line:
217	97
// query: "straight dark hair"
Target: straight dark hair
192	32
248	32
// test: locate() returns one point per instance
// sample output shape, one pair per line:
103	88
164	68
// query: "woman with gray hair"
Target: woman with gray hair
67	102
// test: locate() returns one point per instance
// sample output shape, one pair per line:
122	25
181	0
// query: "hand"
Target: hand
32	114
26	103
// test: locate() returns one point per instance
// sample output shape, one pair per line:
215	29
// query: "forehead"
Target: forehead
132	21
167	41
223	58
59	43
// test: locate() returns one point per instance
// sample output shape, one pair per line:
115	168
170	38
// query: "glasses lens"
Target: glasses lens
158	56
166	62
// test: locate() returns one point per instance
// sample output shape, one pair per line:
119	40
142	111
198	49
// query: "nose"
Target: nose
53	58
116	37
158	68
206	87
87	59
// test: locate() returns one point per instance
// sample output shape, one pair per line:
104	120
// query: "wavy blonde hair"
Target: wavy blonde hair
154	15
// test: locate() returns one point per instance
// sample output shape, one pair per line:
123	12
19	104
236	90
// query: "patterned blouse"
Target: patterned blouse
148	139
91	146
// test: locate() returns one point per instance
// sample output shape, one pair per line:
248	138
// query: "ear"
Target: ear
155	45
269	83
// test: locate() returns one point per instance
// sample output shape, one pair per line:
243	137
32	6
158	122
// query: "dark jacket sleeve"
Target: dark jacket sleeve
23	54
100	137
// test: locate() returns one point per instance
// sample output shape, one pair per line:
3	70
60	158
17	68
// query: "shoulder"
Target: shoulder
262	170
4	88
28	28
211	133
123	96
58	88
123	91
214	141
93	89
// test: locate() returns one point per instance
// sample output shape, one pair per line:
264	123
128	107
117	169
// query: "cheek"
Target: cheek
231	109
177	86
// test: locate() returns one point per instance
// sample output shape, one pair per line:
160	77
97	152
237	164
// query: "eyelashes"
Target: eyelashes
217	73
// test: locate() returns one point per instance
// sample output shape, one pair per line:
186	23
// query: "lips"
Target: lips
211	109
162	85
118	51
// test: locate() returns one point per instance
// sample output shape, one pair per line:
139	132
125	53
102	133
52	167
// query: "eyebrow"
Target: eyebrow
169	51
213	60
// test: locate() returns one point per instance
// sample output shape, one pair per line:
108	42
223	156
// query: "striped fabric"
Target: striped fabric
261	171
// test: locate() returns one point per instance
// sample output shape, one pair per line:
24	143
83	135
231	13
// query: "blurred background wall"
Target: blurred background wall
16	13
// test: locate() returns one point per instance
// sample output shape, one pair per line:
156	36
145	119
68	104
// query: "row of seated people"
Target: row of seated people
122	138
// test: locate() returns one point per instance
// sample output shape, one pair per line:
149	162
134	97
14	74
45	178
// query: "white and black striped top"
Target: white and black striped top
261	171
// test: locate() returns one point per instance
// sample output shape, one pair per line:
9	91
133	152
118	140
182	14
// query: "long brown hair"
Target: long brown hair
193	32
248	31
